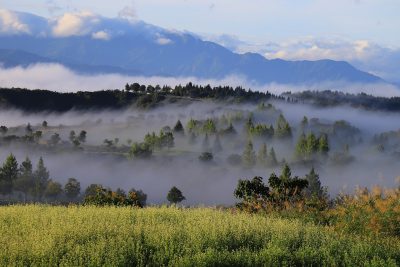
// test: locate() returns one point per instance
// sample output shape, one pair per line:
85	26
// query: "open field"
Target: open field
37	235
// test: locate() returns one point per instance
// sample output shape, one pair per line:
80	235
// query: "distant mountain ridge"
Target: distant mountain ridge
136	48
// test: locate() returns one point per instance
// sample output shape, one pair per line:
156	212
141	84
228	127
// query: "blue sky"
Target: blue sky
256	20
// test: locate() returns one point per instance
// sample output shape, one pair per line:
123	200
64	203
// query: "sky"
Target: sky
366	33
256	20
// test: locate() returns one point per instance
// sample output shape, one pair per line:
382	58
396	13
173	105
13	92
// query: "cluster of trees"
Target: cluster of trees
76	140
34	184
198	91
164	140
335	98
264	158
282	129
282	192
98	195
308	147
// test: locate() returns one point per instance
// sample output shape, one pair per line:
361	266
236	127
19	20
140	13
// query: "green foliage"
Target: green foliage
314	187
8	174
140	196
249	157
109	236
283	129
175	195
209	127
41	176
286	189
25	181
272	160
309	147
53	189
99	196
192	125
261	130
142	150
251	191
164	140
72	188
262	156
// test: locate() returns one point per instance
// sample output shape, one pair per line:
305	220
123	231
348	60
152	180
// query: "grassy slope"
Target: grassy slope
91	236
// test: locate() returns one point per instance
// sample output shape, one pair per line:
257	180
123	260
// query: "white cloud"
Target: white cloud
101	35
10	23
163	41
363	54
75	24
58	78
127	12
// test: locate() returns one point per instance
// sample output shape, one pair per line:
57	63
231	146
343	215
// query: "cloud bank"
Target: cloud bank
56	77
363	54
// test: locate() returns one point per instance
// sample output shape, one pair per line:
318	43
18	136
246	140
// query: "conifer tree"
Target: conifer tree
249	156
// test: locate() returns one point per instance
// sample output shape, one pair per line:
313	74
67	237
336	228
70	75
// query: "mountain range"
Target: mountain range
88	43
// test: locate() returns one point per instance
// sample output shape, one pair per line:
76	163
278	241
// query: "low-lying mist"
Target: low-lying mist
56	77
209	183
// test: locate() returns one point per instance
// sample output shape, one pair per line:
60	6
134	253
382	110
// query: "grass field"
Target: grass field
94	236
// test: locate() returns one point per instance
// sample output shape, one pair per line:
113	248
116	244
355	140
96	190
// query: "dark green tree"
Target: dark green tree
314	185
25	181
53	190
41	176
272	160
285	187
72	188
8	174
251	190
175	195
140	150
249	156
323	146
140	195
178	128
283	129
262	156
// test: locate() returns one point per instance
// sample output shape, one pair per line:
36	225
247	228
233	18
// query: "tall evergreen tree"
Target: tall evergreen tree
283	129
8	174
25	181
314	184
178	128
272	157
41	177
301	146
323	145
262	154
249	156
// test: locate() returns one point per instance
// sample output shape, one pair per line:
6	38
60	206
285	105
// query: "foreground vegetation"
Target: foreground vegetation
92	236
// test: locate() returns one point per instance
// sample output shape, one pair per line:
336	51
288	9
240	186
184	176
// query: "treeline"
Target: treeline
335	98
134	94
34	185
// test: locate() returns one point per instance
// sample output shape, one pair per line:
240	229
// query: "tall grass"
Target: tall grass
94	236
